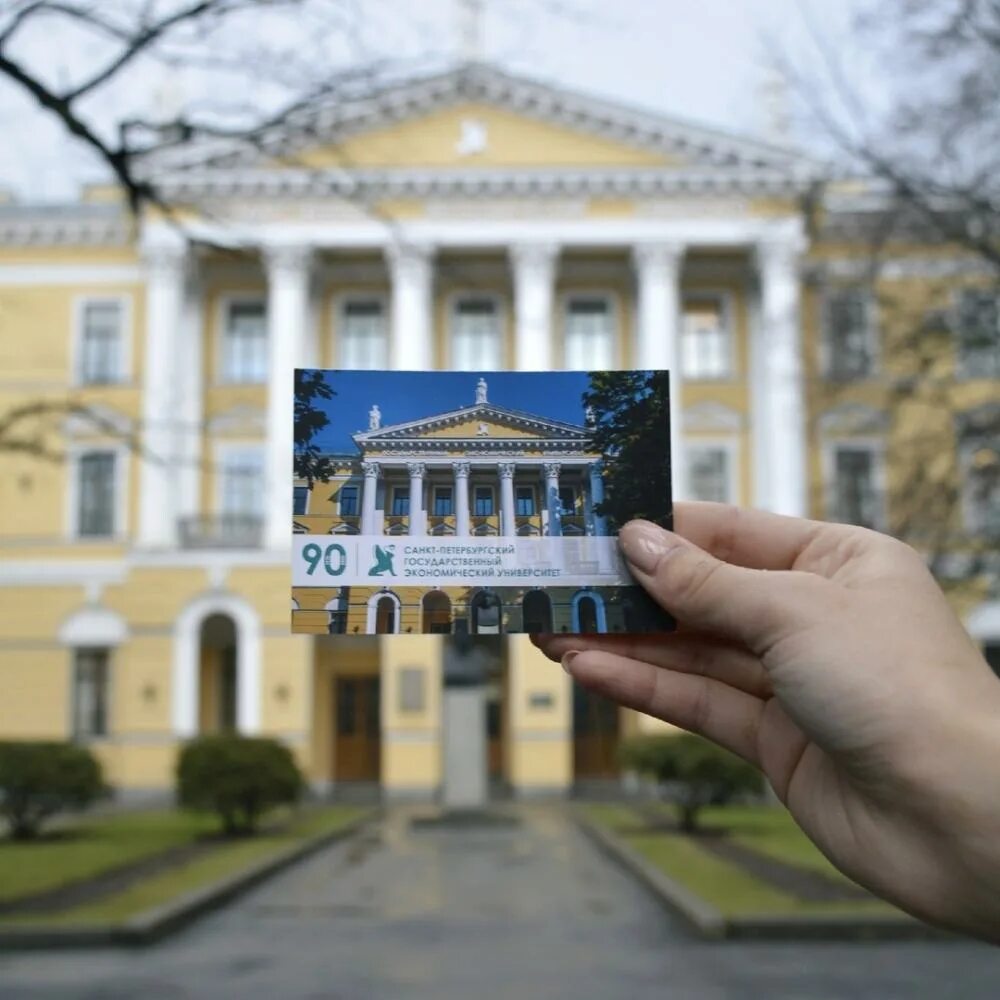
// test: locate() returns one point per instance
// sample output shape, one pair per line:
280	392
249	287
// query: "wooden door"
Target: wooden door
595	735
357	741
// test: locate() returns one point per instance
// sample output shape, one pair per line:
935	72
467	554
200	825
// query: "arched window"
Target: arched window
536	609
588	613
437	613
486	613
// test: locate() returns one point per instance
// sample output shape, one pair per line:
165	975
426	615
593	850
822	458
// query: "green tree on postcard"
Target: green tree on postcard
310	463
631	414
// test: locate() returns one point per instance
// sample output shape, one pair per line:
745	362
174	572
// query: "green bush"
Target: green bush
698	772
237	777
39	779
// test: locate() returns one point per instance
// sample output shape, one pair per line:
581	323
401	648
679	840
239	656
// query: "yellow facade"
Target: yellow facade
61	592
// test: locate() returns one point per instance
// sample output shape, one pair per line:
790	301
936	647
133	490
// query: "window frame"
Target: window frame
226	301
394	495
534	500
726	300
827	295
730	445
221	450
126	372
75	734
438	487
308	492
613	299
501	313
120	519
338	323
493	499
962	372
353	485
972	523
876	447
577	492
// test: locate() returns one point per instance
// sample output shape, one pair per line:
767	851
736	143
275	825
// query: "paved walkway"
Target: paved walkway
531	912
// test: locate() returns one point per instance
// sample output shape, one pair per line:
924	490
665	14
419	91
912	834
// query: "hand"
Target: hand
827	656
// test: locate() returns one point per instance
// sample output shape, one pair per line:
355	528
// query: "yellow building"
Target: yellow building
472	220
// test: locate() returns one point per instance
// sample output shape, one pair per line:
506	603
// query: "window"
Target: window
483	506
244	356
487	612
300	499
101	347
709	474
981	485
348	501
706	340
536	608
979	334
96	486
242	482
476	339
90	693
524	501
401	500
590	333
855	498
567	499
443	501
385	616
363	338
849	334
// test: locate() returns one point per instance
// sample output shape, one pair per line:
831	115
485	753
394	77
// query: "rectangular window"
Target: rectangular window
90	693
96	487
706	339
476	338
483	501
348	501
401	500
363	338
101	346
244	356
242	485
855	497
709	474
443	501
300	499
981	485
590	333
979	334
567	499
524	501
849	334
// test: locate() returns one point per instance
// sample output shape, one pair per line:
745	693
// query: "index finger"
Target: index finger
755	539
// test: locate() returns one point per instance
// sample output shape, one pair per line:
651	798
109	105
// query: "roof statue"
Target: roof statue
481	391
589	417
374	418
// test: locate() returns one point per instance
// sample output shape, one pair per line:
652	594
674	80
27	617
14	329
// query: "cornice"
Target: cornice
28	227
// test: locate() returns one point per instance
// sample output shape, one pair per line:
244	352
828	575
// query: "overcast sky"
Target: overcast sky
702	60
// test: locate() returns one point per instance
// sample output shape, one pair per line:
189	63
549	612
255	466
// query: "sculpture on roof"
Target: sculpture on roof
589	417
374	418
480	391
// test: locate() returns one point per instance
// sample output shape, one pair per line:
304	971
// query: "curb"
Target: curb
711	924
153	925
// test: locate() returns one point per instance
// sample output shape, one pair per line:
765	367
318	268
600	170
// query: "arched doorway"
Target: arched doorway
596	734
588	613
436	607
536	611
383	613
486	613
218	697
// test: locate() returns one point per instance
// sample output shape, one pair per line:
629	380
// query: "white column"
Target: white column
190	407
552	498
596	497
368	496
779	417
534	268
287	305
507	522
411	274
418	526
462	470
165	276
658	270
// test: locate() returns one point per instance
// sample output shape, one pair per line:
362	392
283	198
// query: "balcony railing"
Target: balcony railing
221	531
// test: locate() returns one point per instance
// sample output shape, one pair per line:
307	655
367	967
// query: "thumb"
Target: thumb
755	607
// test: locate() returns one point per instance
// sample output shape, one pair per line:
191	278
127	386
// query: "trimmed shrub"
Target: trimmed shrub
696	772
39	779
237	777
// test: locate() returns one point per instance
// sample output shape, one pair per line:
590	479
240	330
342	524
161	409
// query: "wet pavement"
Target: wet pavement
524	911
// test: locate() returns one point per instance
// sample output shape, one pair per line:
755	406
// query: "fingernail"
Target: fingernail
567	661
645	544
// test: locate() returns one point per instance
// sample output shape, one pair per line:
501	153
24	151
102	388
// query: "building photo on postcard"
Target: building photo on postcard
475	502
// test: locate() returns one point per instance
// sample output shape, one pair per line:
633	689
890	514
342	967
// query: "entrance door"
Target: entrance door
595	735
357	744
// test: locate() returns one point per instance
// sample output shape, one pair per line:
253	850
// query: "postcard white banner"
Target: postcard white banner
447	561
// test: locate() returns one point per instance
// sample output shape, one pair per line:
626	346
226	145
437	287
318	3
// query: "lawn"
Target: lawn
141	835
724	885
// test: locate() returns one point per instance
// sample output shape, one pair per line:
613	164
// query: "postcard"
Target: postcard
475	503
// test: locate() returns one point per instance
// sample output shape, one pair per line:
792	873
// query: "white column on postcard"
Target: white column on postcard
507	521
552	505
370	470
417	470
462	470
